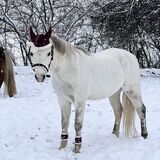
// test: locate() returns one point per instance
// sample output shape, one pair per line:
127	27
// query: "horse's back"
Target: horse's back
116	53
127	59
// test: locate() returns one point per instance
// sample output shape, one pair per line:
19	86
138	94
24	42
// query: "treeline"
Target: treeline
94	24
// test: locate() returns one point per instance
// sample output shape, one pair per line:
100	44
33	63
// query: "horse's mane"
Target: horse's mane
60	45
83	50
64	47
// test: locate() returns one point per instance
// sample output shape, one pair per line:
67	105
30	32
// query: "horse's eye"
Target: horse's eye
49	54
31	54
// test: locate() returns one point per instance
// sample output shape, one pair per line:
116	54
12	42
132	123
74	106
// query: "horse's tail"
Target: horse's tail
9	78
128	116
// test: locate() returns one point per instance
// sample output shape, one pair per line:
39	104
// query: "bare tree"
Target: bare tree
94	24
65	17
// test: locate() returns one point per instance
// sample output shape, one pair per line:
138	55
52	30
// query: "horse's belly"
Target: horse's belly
104	92
106	87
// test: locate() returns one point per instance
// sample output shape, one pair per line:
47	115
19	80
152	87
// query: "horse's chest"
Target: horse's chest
66	88
63	87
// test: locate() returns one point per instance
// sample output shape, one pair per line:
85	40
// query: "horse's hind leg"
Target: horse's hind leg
135	97
117	108
142	114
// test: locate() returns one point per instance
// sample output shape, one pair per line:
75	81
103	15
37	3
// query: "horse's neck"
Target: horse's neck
64	68
61	62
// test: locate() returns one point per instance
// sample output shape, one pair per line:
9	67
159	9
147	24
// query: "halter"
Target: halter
40	64
36	49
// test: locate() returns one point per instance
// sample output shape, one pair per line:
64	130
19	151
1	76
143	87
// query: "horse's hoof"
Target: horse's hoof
116	134
77	148
63	145
144	135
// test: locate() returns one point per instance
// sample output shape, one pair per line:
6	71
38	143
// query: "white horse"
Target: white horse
78	76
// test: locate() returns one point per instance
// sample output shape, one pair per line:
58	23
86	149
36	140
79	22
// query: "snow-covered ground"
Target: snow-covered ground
30	124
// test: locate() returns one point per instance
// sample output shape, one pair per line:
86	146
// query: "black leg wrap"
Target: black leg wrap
78	140
64	136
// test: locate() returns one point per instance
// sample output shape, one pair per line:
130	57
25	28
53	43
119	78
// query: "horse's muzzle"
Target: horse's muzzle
40	78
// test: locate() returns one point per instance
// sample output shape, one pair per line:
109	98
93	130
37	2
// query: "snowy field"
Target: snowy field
30	124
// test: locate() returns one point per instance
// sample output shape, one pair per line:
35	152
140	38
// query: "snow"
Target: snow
30	124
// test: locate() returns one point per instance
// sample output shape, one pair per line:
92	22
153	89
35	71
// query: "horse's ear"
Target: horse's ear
32	34
48	34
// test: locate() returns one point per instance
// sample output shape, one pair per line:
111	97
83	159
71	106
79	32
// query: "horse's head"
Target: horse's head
40	53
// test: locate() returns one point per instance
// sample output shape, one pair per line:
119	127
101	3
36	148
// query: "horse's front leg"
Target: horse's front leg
65	115
79	115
